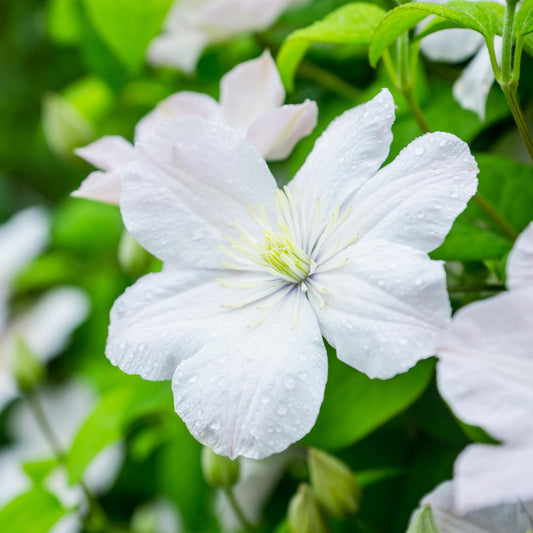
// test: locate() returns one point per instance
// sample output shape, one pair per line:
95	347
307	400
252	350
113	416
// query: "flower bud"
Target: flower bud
27	369
423	521
132	257
219	472
304	514
334	483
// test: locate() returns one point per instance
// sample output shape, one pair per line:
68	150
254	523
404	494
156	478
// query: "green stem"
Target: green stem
329	80
518	115
246	524
96	513
409	96
507	42
487	208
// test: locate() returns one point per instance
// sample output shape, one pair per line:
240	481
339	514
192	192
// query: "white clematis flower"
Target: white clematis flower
513	517
191	25
254	276
251	102
455	46
66	406
46	325
485	373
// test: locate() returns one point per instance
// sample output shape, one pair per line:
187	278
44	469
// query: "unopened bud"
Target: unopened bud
132	257
219	472
334	483
27	369
423	521
304	514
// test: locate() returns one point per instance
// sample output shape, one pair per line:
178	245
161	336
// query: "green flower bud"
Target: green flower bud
27	369
423	521
132	257
334	483
219	472
304	515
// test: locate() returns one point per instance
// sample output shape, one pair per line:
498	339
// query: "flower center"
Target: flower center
281	252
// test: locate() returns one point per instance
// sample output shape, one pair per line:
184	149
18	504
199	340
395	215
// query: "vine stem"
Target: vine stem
246	524
329	81
510	74
39	414
476	288
487	208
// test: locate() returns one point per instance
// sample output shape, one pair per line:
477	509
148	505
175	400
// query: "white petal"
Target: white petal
179	197
503	518
47	325
346	155
451	46
415	199
182	104
255	390
473	85
21	239
164	318
249	90
104	468
14	480
275	133
520	262
181	49
485	371
383	310
8	386
222	20
108	153
101	186
490	475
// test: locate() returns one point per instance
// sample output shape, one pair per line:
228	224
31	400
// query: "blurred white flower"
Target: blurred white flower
254	275
513	517
66	408
455	46
191	25
251	102
46	324
485	373
158	516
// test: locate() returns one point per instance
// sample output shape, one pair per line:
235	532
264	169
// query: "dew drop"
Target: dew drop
303	375
122	348
265	398
193	378
281	409
289	382
419	150
142	348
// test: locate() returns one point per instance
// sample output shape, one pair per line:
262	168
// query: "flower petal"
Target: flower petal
473	85
255	390
275	133
180	48
108	153
187	185
520	262
415	199
451	46
47	325
346	155
249	90
165	318
21	239
101	186
383	310
504	518
485	370
8	387
182	104
490	475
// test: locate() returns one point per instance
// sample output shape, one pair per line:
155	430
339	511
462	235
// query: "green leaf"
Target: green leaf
423	522
62	21
39	470
507	186
35	511
524	19
110	420
355	405
484	17
127	26
350	24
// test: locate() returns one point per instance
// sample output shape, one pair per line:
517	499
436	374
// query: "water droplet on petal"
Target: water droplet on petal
289	382
281	409
265	398
419	150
